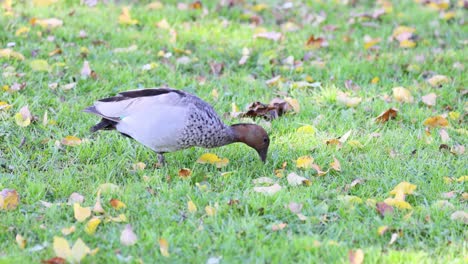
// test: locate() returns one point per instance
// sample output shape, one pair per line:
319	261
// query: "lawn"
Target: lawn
339	60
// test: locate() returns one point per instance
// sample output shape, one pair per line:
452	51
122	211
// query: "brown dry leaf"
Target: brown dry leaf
384	209
275	109
402	95
295	180
438	80
429	99
277	227
436	121
316	42
185	173
275	36
335	165
344	99
389	114
164	247
319	170
21	241
216	68
356	257
9	199
294	104
75	198
460	216
117	204
56	51
270	190
81	213
55	260
295	208
71	141
128	237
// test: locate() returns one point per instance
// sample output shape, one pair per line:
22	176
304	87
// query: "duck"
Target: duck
167	120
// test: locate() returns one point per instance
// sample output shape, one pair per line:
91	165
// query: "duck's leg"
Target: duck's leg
161	159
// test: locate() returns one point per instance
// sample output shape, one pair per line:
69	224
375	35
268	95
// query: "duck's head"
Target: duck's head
253	136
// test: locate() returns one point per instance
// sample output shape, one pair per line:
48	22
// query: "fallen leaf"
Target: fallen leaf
344	99
75	198
39	65
384	209
92	225
128	237
304	162
438	80
436	121
21	241
68	230
400	204
210	210
295	208
164	247
429	99
86	70
192	208
381	230
316	42
97	208
275	36
216	68
185	173
457	149
402	95
9	53
125	17
139	166
307	129
117	204
71	141
9	199
295	180
81	213
389	114
23	118
277	227
335	164
444	136
49	23
460	216
294	104
213	159
154	5
245	56
319	170
462	179
61	247
55	260
393	238
356	257
268	190
68	86
276	108
79	251
403	187
263	180
4	106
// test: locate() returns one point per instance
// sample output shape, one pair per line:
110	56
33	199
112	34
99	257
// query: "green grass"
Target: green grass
157	206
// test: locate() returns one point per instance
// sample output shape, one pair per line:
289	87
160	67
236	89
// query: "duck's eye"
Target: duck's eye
265	140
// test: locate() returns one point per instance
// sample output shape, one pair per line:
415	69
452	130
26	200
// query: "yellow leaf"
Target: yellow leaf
402	94
9	199
397	203
9	53
22	121
71	141
79	251
404	187
210	210
61	247
436	121
438	80
335	165
154	5
81	213
191	206
20	241
452	115
401	30
407	44
22	31
375	80
448	15
344	99
92	225
295	180
4	106
356	257
307	129
369	43
119	219
208	158
39	65
125	18
304	162
164	247
117	204
381	230
462	179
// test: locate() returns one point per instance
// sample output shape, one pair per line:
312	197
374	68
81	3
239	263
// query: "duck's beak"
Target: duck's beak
263	154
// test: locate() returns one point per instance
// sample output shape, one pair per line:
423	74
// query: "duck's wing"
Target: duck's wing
126	103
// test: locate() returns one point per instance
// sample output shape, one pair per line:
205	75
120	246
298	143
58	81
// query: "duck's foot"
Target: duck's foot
161	161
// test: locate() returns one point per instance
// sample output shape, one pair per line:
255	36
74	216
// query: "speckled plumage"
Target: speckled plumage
167	120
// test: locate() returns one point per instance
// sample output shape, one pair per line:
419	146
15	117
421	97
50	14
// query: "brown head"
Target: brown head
253	136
